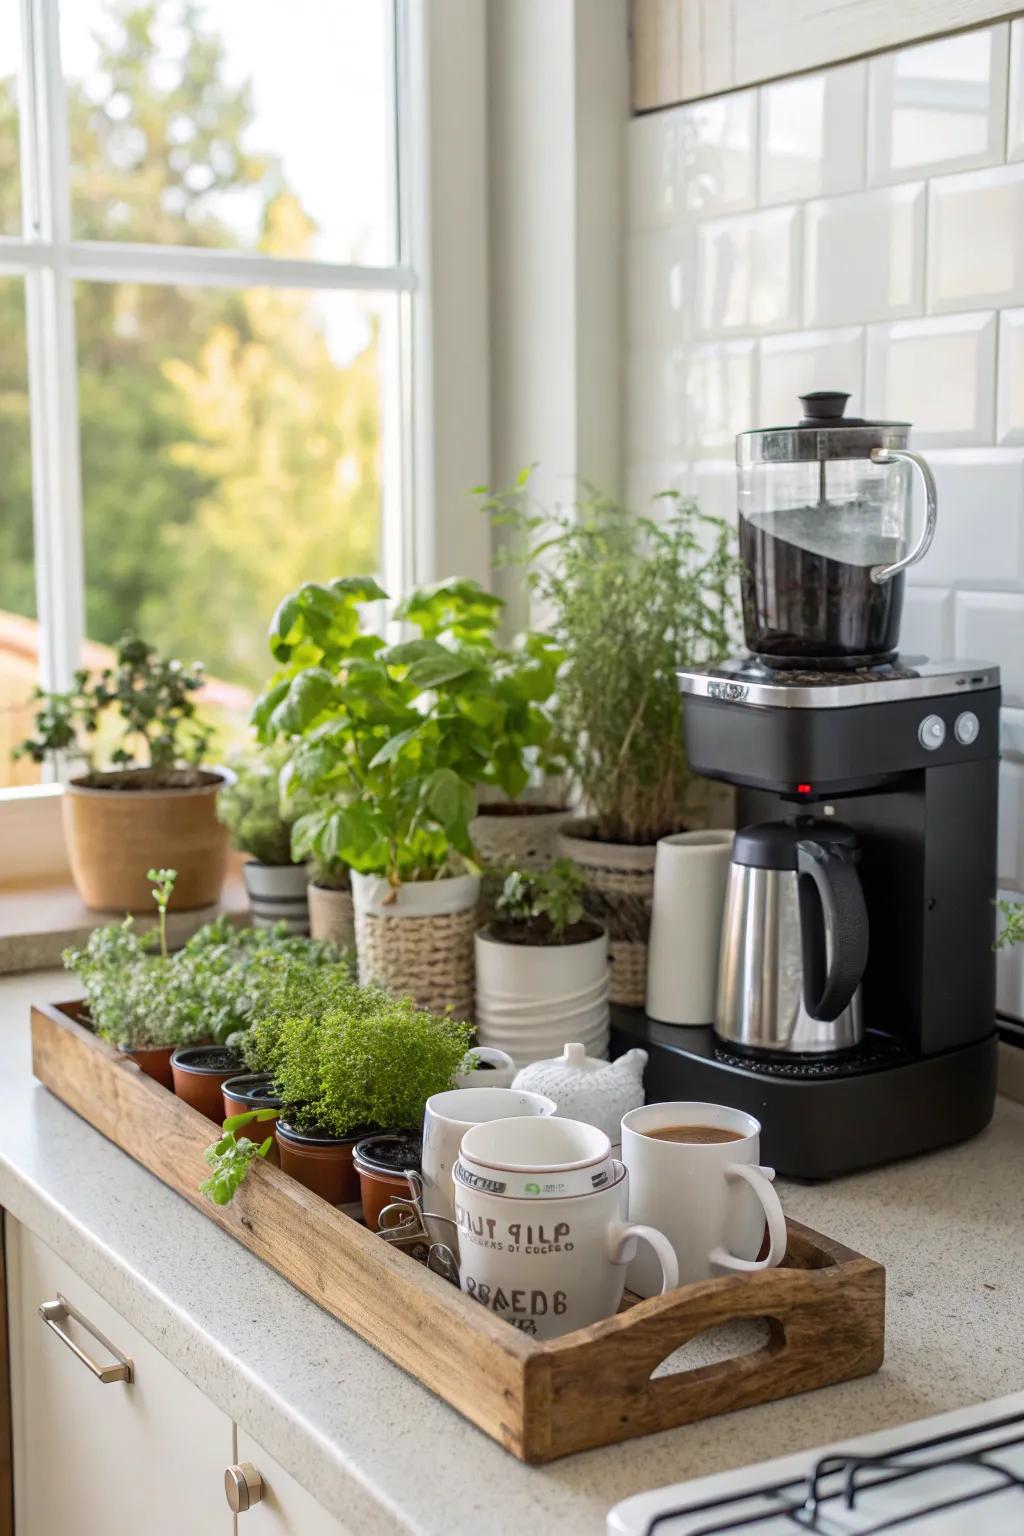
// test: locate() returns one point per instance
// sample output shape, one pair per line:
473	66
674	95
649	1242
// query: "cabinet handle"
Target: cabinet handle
53	1313
243	1486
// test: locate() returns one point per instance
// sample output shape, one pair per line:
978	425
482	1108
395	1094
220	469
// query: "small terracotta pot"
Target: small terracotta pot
381	1162
200	1072
253	1090
114	836
323	1163
154	1060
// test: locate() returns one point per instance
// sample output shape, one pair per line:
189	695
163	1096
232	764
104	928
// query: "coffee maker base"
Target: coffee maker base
823	1118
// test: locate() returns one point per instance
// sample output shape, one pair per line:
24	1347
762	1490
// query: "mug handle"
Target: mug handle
760	1181
622	1241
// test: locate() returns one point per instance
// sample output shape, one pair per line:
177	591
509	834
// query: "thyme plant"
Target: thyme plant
629	600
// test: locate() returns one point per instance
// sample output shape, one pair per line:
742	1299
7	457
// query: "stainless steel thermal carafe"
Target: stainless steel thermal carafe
794	939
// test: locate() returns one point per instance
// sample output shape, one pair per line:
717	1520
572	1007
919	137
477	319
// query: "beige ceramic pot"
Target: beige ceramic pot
331	915
114	836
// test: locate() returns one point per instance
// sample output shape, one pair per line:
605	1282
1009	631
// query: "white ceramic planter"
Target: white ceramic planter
416	940
532	998
277	894
496	1071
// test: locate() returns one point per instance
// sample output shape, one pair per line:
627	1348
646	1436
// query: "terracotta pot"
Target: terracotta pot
200	1071
380	1162
277	894
114	836
331	916
321	1162
253	1090
154	1060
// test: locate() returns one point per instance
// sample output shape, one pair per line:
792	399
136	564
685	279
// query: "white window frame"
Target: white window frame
439	275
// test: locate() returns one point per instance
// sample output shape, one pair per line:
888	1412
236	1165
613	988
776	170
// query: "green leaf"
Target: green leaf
309	695
395	745
449	798
436	671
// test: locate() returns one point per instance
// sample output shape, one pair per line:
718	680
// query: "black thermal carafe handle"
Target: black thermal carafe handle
832	902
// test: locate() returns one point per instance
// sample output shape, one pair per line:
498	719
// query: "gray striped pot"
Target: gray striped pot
277	893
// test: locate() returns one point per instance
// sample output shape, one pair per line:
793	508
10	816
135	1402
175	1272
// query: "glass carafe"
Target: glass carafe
824	530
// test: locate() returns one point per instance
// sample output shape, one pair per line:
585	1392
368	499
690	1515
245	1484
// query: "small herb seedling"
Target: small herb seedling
163	888
230	1158
553	896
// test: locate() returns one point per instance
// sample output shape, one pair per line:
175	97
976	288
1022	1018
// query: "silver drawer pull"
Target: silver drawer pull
53	1313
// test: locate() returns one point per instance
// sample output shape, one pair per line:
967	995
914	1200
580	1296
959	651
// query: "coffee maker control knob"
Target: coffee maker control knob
931	733
966	728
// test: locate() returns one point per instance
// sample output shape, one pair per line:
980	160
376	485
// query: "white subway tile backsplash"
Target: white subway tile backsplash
717	154
748	272
1010	392
659	300
794	364
939	106
864	256
979	535
719	396
714	486
990	627
976	239
652	169
1015	126
1011	825
928	625
1011	733
655	404
812	134
939	374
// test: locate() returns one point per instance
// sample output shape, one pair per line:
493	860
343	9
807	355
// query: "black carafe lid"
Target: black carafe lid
822	433
773	844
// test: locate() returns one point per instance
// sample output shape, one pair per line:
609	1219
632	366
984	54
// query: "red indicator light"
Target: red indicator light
804	789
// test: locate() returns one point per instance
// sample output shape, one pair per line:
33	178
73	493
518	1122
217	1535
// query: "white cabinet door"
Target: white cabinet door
95	1459
285	1508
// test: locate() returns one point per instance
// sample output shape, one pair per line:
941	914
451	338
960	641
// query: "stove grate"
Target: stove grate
837	1482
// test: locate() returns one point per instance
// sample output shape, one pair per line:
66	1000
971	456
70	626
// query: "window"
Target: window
204	327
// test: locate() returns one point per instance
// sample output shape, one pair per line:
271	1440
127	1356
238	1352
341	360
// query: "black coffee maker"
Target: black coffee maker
825	719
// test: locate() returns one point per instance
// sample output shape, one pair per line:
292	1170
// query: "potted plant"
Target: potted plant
629	600
520	798
347	1060
155	804
388	756
251	809
542	968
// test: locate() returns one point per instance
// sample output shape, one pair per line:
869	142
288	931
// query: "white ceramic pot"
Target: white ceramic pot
690	874
496	1069
277	894
532	998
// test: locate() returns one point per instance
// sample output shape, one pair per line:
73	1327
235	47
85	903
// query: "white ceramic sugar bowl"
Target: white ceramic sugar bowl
599	1092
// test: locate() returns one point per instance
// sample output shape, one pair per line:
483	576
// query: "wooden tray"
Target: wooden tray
825	1306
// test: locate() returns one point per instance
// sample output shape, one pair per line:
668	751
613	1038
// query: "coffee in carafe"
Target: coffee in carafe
824	530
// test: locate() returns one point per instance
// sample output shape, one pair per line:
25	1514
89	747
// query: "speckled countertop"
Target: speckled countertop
385	1455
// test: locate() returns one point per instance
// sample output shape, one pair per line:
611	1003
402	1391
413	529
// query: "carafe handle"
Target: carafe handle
880	573
833	954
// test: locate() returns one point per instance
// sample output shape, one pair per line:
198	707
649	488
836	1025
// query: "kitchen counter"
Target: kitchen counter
381	1452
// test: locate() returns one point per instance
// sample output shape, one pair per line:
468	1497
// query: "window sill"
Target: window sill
40	919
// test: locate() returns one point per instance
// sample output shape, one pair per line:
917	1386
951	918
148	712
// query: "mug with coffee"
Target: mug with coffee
551	1266
694	1174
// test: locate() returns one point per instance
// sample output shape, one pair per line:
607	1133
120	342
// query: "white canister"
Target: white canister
690	874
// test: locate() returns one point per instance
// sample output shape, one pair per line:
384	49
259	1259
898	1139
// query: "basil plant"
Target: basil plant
390	741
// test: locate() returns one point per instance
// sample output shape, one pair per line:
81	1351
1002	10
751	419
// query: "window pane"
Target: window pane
233	123
230	450
10	166
19	635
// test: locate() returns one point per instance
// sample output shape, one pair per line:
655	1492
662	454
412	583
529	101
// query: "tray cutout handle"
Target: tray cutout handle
726	1343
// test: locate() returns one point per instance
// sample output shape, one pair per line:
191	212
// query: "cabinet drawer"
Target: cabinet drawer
284	1508
95	1458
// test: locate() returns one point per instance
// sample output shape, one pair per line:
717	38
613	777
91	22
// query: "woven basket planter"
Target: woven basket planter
331	915
418	944
620	880
517	836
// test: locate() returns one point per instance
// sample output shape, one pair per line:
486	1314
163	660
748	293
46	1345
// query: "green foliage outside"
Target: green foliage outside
629	600
251	807
345	1057
390	741
1012	931
226	456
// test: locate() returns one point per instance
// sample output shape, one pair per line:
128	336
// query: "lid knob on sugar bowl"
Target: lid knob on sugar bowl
598	1092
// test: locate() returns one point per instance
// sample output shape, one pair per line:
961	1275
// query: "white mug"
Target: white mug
446	1119
711	1200
535	1159
552	1266
690	874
